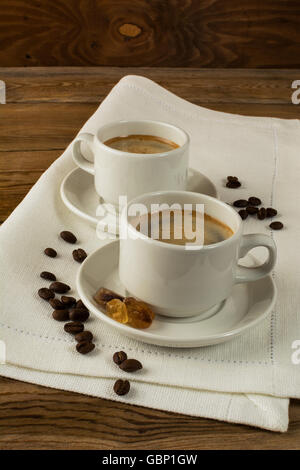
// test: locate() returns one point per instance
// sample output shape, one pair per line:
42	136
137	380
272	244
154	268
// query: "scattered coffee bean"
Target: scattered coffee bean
45	293
254	201
50	252
74	327
252	210
104	295
67	301
261	214
119	357
84	336
68	237
121	387
240	203
56	304
232	178
79	314
79	255
130	365
84	347
80	304
48	276
270	212
243	213
59	287
233	184
61	315
276	225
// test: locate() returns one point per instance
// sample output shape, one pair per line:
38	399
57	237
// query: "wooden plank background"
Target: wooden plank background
45	109
172	33
47	106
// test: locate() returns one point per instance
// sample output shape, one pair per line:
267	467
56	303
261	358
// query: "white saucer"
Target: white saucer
249	304
78	194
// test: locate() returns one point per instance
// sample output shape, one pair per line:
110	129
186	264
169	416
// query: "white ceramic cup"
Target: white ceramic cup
119	173
178	282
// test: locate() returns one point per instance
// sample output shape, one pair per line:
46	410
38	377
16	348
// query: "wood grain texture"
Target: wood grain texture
47	126
47	106
34	417
189	33
52	126
92	84
45	110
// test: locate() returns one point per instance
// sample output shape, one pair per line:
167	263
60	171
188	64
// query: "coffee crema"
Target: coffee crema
140	143
182	227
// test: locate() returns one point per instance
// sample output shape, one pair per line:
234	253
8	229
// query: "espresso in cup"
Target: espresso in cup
179	280
119	171
181	227
138	143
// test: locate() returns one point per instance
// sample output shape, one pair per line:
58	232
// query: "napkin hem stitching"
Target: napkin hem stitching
232	118
273	313
143	351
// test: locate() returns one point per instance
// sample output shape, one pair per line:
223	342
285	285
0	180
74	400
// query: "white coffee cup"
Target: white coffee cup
119	173
179	282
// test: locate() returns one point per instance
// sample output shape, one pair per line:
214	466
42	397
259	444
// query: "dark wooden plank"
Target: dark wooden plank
18	173
52	126
34	135
92	84
41	127
186	33
34	417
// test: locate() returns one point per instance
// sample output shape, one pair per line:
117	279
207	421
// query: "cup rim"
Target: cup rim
179	149
170	246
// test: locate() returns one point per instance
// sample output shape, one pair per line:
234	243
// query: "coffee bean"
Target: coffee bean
261	214
79	255
254	201
56	304
243	213
252	210
240	203
74	327
130	365
121	387
48	276
233	184
84	336
79	314
276	225
232	178
270	212
50	252
61	315
59	287
68	301
46	294
80	304
68	237
119	357
84	347
104	295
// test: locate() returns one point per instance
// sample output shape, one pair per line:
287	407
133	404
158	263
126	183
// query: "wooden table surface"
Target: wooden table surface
45	109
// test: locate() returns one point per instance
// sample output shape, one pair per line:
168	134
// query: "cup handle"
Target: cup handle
77	155
248	242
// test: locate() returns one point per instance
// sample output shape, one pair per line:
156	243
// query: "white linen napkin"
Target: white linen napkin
247	380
